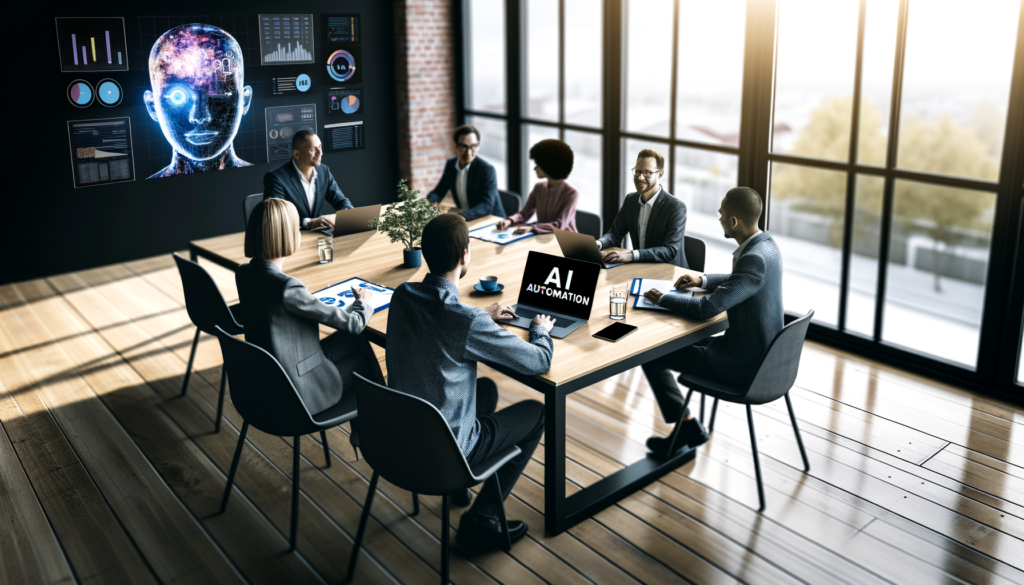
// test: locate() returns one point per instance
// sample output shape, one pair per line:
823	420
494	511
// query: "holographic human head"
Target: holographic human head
198	96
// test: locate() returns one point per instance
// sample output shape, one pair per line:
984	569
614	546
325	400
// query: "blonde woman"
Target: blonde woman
285	318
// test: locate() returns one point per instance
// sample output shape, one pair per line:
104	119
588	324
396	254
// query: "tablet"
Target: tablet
615	332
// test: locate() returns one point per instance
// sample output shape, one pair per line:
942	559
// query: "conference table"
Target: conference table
579	359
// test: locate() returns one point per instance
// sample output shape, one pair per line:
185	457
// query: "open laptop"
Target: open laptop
581	247
353	221
560	287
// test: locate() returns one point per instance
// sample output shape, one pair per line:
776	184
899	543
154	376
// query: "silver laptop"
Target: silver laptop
353	221
562	288
581	247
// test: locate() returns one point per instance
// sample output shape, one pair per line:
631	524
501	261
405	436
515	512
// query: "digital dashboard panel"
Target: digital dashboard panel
91	44
286	39
101	151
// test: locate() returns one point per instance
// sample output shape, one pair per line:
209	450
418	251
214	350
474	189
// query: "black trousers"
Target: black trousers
661	375
521	424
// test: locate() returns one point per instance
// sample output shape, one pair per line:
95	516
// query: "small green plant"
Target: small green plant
404	221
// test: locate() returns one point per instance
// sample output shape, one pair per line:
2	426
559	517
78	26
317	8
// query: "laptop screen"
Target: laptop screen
562	285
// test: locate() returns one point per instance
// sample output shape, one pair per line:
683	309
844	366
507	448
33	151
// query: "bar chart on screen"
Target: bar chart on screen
286	38
91	44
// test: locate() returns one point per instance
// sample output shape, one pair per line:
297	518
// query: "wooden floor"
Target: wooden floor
108	476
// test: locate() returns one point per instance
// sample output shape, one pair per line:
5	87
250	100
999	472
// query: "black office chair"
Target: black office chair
408	442
694	249
511	201
264	395
248	204
207	309
588	223
772	380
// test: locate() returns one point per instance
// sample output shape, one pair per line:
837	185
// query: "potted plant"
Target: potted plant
404	222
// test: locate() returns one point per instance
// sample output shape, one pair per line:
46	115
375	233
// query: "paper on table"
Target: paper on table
665	286
490	234
340	295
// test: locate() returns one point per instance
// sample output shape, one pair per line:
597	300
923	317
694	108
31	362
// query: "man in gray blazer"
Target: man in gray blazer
285	320
752	295
653	218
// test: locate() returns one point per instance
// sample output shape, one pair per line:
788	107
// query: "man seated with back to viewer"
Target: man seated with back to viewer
653	218
752	295
472	180
306	183
434	343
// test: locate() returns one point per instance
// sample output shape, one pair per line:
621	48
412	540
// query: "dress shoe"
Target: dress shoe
461	498
688	433
481	533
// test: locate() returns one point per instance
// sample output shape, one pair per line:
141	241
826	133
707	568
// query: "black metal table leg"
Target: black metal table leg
554	462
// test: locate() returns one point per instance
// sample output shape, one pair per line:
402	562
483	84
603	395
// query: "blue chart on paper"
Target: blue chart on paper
340	294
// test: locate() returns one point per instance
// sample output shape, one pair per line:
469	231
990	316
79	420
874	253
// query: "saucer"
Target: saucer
479	288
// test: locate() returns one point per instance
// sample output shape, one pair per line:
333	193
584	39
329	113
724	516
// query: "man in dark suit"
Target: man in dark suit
653	218
752	295
472	180
306	183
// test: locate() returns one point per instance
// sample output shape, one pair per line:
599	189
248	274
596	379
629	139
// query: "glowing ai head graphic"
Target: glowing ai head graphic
198	96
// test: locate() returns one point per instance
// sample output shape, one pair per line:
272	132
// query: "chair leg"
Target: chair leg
220	401
506	544
714	409
415	503
674	436
757	462
327	450
796	430
234	467
191	358
362	529
445	511
702	408
295	494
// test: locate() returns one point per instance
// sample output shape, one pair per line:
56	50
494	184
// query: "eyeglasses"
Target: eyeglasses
646	174
468	147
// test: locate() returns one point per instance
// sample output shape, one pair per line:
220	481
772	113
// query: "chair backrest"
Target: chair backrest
248	204
205	305
694	249
588	223
261	390
511	201
408	442
779	366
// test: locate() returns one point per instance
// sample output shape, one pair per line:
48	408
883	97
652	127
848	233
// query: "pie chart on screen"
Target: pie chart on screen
80	93
350	104
108	92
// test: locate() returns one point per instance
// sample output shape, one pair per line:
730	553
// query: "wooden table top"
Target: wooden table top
372	257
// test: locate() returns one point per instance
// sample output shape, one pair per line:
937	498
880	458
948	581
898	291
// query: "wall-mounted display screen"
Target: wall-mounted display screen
286	39
344	136
282	124
340	29
343	65
101	151
339	101
91	44
298	81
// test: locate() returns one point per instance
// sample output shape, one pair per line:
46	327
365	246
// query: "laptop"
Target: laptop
581	247
562	288
353	221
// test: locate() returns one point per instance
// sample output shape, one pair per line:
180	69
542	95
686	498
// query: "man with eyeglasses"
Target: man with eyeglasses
653	218
472	181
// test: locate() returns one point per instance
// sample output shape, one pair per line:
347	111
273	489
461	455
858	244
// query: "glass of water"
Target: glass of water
325	247
617	304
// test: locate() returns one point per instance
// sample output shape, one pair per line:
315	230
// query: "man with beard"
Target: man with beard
753	296
306	183
653	218
434	343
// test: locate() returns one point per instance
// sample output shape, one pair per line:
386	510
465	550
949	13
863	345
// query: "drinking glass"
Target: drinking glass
617	304
325	247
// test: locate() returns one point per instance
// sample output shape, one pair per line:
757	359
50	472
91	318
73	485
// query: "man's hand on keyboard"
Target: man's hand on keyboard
543	321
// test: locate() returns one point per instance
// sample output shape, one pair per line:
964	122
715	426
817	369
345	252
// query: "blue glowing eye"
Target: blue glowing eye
177	97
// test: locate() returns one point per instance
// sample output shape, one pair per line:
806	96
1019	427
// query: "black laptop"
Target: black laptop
581	247
562	288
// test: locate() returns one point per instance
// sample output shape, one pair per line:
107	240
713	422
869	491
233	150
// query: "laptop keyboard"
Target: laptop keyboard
530	314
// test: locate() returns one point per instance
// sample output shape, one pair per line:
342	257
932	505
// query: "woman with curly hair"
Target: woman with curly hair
554	200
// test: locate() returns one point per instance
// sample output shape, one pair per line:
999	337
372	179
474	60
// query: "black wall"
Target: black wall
48	227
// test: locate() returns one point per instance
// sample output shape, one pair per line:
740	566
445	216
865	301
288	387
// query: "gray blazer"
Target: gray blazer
752	295
665	229
285	320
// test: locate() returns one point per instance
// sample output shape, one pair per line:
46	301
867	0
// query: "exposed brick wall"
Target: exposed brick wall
425	86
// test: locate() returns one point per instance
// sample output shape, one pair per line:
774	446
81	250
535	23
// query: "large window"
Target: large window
881	134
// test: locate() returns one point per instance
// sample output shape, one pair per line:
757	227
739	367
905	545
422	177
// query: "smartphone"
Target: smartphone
615	332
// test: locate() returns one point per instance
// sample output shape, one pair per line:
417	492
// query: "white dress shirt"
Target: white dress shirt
735	257
310	188
461	174
641	222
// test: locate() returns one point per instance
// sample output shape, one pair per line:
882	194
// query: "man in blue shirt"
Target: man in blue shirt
434	343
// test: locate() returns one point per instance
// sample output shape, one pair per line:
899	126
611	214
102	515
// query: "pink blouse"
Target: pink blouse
555	206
